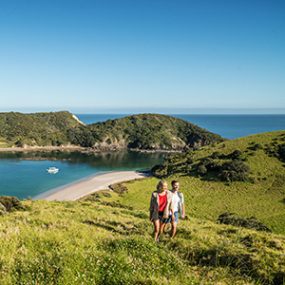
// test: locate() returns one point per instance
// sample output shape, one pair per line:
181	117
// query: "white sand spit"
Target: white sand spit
79	189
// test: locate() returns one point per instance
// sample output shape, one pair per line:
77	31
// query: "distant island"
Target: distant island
144	132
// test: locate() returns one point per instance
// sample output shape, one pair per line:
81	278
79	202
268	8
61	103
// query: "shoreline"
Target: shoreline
90	184
80	149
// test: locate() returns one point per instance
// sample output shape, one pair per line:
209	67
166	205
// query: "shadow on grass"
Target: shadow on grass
244	263
115	227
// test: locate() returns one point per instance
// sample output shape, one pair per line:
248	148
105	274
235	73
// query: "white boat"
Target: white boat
52	170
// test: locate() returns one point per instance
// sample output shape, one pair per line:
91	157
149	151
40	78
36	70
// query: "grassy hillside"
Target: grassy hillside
95	243
262	195
36	129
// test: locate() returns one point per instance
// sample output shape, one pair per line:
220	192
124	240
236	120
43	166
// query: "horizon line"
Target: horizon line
174	111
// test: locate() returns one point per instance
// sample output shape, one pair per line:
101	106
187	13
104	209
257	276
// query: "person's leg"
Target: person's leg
161	228
173	229
156	226
174	226
165	228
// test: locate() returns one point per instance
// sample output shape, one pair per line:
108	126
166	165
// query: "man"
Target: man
178	207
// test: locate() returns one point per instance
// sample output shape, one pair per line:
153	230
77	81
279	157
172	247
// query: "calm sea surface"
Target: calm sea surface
23	178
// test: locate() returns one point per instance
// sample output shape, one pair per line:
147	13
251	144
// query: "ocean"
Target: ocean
23	178
228	126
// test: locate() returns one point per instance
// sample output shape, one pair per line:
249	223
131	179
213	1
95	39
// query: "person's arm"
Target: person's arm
183	211
172	215
182	206
171	210
150	216
151	207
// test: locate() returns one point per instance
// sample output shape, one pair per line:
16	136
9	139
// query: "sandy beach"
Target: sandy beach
79	189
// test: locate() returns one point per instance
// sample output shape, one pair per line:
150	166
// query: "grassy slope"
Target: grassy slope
91	243
263	199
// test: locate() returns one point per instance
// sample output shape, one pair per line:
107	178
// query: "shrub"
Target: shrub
258	146
281	151
236	154
160	170
207	161
202	169
188	168
255	147
119	188
249	223
11	203
234	171
216	155
209	164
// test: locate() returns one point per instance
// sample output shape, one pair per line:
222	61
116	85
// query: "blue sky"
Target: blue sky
130	56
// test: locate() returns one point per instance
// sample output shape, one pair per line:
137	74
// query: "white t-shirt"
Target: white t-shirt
175	201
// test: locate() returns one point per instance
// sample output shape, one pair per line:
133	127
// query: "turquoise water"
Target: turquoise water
24	178
228	126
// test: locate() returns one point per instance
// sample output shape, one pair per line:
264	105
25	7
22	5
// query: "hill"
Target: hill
257	164
36	129
150	132
144	132
108	243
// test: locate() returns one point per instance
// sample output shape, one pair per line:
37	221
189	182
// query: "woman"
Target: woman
160	208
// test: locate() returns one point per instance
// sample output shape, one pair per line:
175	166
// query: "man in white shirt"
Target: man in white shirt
178	207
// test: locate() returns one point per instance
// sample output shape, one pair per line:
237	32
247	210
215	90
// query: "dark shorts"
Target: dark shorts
175	218
161	219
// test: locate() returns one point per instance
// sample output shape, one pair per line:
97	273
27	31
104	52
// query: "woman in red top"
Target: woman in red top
160	208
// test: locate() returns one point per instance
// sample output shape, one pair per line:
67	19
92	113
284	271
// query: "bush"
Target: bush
236	154
216	155
209	164
10	202
255	147
202	169
281	151
160	170
258	146
119	188
234	171
249	223
207	161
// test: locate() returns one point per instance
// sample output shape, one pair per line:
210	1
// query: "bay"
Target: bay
228	126
24	178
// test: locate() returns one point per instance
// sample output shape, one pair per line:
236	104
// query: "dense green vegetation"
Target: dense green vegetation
152	131
146	131
109	243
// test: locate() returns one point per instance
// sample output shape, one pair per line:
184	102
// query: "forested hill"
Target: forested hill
36	129
144	131
152	131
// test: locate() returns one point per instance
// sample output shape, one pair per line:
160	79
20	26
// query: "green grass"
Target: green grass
91	243
207	198
107	240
